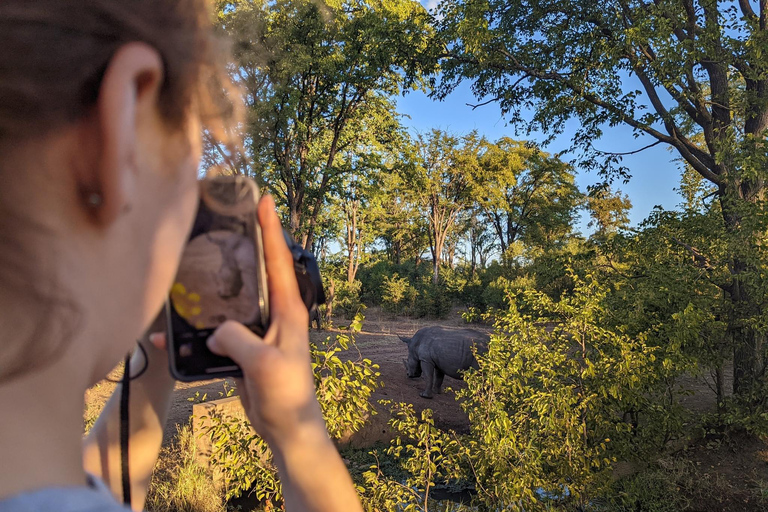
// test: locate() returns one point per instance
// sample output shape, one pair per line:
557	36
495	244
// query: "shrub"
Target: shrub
347	298
434	301
652	490
427	455
547	405
495	294
343	390
398	295
372	278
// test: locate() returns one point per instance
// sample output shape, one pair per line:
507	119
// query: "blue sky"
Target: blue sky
654	172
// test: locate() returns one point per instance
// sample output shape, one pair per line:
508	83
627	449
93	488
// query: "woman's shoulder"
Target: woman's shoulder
92	498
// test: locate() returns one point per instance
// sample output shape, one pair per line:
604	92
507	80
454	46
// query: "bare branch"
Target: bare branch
611	153
484	103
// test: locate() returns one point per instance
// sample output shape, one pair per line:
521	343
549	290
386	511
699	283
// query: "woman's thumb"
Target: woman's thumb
234	340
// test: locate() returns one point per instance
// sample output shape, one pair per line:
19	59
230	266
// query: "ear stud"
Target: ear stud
94	200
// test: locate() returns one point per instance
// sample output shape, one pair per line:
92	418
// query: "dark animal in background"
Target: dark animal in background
440	351
314	317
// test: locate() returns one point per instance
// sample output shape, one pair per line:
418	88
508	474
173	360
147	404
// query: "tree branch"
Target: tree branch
700	260
492	100
747	10
611	153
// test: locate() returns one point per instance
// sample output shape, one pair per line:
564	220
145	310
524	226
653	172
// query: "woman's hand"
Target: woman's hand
277	389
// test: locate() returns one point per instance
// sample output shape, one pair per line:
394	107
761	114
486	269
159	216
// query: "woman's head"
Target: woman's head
101	105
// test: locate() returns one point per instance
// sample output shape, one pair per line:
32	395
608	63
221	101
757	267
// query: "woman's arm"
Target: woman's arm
313	475
150	397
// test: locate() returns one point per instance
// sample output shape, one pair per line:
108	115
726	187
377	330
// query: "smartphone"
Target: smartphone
221	276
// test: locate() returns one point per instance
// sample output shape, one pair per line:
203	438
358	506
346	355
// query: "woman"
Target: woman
101	108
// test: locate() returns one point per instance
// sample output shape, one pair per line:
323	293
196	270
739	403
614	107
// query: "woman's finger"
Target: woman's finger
285	300
159	340
234	340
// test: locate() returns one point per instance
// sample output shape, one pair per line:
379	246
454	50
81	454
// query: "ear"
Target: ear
127	100
404	340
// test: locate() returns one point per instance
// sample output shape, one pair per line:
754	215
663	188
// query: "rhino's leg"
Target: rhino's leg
439	374
428	367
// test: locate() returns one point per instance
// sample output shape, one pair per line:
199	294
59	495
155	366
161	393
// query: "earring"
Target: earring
94	200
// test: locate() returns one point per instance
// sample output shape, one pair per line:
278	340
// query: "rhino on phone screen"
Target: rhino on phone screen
440	351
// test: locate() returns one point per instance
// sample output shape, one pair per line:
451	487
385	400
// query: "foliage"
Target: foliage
343	390
179	483
347	299
688	75
548	406
318	79
651	490
433	301
495	294
439	186
428	455
609	210
398	295
344	387
524	194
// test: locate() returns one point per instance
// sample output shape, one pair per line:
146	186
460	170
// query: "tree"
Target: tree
480	240
309	71
439	185
401	228
356	200
609	210
672	70
524	193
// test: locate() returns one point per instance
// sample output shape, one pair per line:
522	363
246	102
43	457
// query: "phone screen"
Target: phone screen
221	277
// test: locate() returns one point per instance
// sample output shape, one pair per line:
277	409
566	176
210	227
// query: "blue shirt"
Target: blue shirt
88	498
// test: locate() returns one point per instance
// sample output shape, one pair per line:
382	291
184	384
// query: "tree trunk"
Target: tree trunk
295	217
329	304
748	361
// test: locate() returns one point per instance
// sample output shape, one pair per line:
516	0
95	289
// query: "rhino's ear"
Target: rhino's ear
404	340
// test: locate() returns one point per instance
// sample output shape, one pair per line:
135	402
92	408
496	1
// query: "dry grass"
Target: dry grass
179	483
97	396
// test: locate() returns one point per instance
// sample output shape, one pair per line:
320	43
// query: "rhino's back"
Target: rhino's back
450	348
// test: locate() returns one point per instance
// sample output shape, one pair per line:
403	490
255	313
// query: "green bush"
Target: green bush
372	278
398	295
548	403
652	490
343	390
495	294
347	298
426	455
433	301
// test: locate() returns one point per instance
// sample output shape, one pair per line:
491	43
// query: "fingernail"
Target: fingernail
155	337
211	343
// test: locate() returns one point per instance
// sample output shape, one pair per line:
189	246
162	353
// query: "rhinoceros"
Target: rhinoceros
440	351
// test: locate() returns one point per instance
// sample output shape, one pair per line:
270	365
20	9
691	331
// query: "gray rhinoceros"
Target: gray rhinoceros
440	351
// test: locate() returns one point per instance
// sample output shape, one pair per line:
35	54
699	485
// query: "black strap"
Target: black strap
125	430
